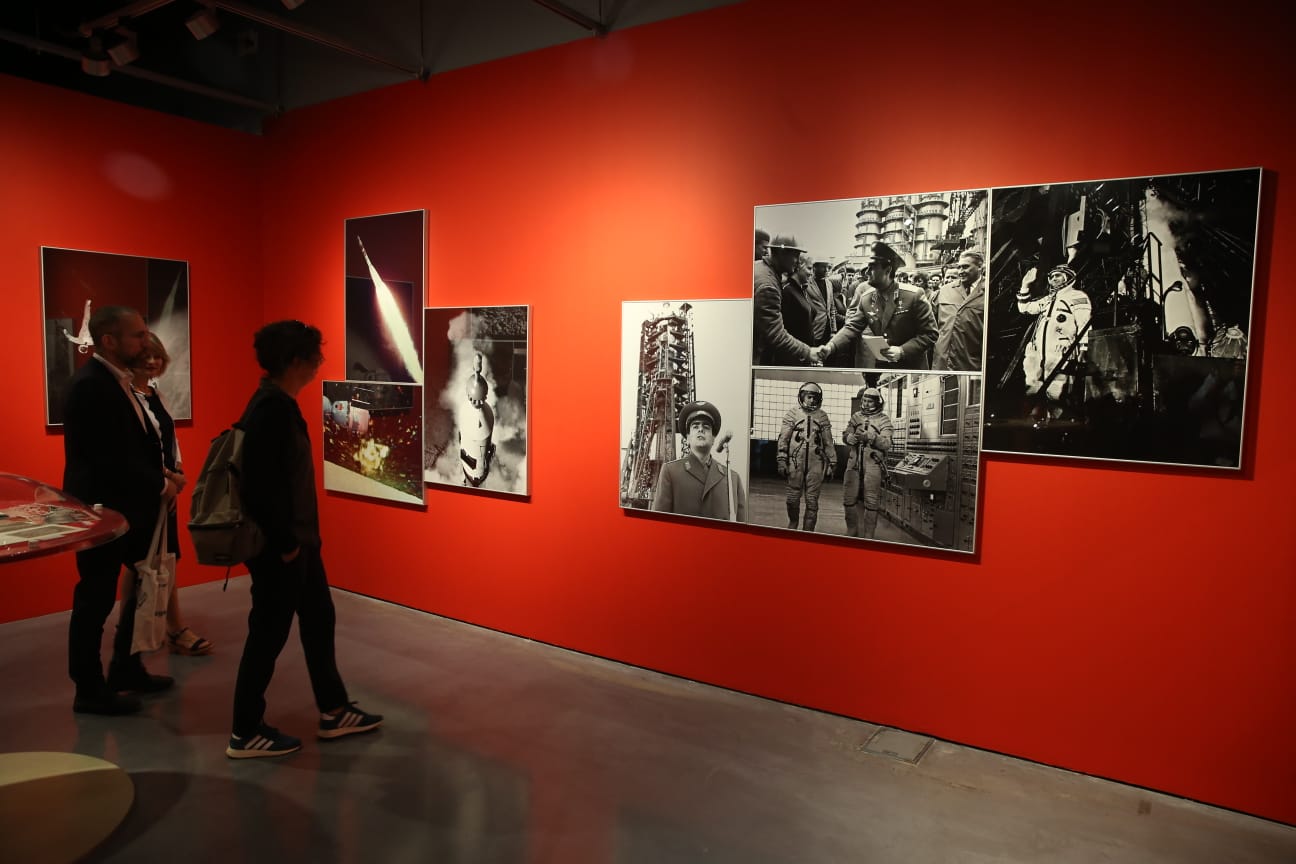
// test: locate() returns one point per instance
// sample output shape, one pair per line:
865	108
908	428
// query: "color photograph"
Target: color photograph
892	457
476	421
75	283
893	282
1120	318
385	277
373	440
684	407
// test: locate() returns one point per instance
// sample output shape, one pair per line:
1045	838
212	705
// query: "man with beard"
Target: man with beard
696	485
883	307
958	345
806	455
113	457
867	438
783	324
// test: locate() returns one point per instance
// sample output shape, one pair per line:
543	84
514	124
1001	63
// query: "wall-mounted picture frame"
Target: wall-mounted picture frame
1120	318
386	266
684	367
878	282
890	456
76	282
373	439
477	424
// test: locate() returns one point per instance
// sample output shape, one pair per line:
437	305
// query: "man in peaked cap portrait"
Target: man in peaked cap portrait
783	317
696	485
883	307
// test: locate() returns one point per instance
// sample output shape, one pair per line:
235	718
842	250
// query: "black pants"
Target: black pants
280	591
98	570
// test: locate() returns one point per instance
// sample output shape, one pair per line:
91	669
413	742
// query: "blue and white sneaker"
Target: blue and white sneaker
349	721
267	741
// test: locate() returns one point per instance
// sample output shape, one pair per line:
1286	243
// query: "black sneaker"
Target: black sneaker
267	741
349	721
105	702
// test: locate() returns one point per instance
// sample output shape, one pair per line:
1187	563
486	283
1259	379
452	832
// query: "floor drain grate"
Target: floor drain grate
897	744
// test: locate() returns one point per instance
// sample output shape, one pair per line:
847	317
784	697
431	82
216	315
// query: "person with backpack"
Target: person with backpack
277	490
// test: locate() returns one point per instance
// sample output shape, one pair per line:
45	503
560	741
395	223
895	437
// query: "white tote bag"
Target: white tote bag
154	579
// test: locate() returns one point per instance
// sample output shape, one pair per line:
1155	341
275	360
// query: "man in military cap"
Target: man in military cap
867	438
883	307
696	485
783	325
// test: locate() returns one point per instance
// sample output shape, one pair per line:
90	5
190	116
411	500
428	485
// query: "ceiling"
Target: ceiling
262	58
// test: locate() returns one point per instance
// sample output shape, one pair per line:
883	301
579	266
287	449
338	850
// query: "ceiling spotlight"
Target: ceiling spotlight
123	47
292	4
203	23
94	61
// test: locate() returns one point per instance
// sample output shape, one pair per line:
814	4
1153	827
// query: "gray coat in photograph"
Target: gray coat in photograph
688	487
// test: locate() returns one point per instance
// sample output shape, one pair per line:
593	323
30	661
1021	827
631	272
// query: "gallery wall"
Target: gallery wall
83	173
1126	621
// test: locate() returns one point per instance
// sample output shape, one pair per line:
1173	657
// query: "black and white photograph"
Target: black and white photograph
685	400
476	420
76	282
373	440
385	276
1120	318
893	282
892	457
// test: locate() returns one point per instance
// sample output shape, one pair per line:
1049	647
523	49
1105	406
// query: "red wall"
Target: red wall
87	174
627	168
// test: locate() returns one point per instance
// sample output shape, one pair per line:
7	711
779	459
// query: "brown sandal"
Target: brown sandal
191	646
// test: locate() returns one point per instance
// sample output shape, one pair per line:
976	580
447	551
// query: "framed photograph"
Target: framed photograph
476	420
75	283
888	456
385	275
892	282
1120	318
373	439
684	406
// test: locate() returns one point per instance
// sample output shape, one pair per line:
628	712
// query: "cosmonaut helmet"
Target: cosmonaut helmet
870	393
810	396
1068	275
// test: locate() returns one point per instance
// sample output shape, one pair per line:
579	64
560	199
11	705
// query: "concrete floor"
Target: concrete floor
497	749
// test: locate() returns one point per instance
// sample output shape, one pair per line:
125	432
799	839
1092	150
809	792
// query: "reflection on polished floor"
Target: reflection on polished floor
497	749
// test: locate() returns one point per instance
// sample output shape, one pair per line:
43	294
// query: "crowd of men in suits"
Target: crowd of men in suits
877	318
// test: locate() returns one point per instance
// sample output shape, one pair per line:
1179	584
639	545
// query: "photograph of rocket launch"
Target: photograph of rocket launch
373	440
675	354
476	423
385	275
76	283
1119	318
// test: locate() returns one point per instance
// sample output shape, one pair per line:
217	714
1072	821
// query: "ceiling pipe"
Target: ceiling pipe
130	10
134	71
595	27
301	31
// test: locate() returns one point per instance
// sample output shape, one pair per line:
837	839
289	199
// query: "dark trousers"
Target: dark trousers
280	591
98	570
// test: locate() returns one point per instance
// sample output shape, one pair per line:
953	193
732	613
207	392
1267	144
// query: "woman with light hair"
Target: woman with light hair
148	367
